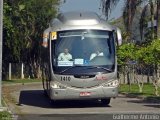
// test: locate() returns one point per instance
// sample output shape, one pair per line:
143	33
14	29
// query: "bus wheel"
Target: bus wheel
106	101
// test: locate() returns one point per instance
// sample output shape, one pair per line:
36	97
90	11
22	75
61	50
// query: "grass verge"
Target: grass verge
148	92
5	116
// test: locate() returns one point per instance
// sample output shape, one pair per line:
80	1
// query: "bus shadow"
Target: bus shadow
34	98
38	99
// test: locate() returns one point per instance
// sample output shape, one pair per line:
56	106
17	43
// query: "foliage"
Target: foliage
155	48
129	12
107	6
5	115
148	54
125	53
148	15
24	23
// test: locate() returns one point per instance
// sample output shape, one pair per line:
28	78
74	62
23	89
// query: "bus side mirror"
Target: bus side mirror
46	37
45	43
45	40
119	36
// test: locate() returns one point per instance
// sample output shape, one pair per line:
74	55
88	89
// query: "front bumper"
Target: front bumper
74	93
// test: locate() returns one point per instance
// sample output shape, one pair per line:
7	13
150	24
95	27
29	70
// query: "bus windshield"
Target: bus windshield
83	48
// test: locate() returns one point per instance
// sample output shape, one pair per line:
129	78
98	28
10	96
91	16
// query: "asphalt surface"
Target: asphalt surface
29	103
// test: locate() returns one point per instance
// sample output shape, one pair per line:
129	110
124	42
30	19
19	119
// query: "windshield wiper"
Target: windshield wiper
69	68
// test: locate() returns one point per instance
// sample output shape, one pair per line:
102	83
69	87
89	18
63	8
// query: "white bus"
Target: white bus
79	58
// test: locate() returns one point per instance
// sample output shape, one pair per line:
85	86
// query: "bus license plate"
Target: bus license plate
85	93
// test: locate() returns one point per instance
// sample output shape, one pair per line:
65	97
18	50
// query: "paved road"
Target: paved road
35	105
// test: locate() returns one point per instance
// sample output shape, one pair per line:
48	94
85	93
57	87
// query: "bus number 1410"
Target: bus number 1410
65	78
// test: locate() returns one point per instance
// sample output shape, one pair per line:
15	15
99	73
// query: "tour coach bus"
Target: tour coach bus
79	58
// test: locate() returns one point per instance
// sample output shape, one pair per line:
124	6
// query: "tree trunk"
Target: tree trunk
152	19
158	19
156	90
140	89
129	20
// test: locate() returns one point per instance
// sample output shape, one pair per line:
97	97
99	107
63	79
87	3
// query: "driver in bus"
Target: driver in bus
65	56
96	53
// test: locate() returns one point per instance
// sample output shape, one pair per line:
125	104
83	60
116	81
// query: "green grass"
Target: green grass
148	90
5	115
3	102
20	81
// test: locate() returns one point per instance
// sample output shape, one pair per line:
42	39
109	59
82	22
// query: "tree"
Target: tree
107	6
158	19
128	12
126	53
152	4
145	18
145	56
24	23
148	55
128	15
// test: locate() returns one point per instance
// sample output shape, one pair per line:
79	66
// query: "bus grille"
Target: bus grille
84	87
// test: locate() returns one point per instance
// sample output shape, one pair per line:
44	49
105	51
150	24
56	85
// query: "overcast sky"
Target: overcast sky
90	5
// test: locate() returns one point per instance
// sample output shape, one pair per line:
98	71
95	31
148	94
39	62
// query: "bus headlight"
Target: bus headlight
57	85
113	83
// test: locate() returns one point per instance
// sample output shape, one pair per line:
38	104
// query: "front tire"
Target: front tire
106	101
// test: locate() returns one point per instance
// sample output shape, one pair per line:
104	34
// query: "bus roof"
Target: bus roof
79	20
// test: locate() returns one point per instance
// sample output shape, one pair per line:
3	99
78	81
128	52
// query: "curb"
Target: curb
14	84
